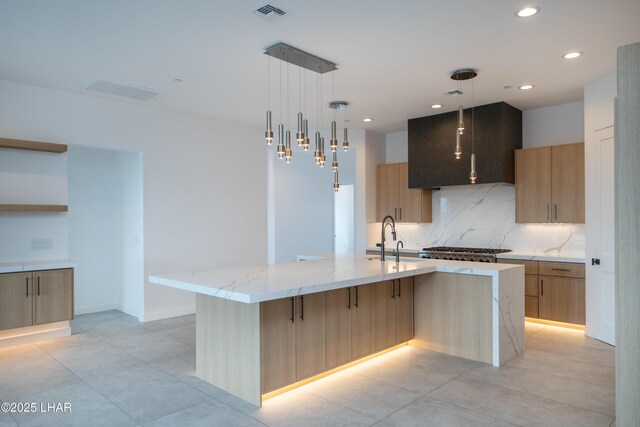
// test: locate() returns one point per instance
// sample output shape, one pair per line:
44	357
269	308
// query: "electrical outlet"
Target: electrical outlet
41	244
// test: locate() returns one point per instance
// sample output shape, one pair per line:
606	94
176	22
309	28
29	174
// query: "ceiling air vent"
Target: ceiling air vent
452	92
269	12
132	92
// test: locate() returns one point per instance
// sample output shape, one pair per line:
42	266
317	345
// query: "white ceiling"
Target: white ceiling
394	57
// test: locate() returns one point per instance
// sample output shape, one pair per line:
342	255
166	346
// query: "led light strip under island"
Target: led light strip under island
264	329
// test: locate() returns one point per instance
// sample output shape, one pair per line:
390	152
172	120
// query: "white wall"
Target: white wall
559	124
204	179
484	215
28	177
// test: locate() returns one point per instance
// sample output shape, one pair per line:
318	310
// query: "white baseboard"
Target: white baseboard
95	308
159	315
32	334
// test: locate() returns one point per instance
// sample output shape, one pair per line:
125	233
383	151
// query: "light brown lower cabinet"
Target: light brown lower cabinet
35	298
307	335
310	335
562	299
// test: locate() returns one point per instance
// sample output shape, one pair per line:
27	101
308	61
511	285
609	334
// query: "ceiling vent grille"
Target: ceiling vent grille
132	92
269	12
452	92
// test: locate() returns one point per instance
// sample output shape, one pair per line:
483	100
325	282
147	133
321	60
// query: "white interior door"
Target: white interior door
600	284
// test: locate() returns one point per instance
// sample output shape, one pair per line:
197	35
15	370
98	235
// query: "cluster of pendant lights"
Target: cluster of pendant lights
461	75
283	147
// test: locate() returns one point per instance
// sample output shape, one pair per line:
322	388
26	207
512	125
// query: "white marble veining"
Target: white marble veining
483	215
577	258
269	282
16	267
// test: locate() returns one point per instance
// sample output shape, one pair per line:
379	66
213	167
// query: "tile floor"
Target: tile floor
116	371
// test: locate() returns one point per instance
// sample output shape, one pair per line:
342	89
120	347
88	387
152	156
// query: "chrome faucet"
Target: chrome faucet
400	242
393	233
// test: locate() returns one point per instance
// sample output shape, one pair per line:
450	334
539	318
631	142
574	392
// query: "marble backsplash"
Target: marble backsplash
484	216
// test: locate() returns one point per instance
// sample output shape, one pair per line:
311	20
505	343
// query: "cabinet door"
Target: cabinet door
567	171
362	321
384	323
533	185
338	306
387	191
562	299
404	310
531	306
310	335
531	285
414	204
53	290
277	325
16	303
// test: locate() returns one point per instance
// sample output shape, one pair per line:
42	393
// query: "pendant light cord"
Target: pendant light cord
287	95
473	139
268	82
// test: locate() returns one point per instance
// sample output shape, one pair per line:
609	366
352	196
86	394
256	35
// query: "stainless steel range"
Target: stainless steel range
462	254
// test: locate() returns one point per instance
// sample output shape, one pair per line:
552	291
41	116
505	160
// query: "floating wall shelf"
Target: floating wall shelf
19	144
33	208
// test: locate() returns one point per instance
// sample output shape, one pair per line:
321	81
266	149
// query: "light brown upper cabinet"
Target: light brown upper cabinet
550	184
395	198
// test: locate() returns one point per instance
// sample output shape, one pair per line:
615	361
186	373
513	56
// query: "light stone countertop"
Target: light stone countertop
534	256
16	267
270	282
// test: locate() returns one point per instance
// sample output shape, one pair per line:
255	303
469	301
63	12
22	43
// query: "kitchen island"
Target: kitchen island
263	329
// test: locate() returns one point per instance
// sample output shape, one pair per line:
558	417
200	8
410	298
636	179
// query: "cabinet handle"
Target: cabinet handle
560	269
399	287
302	308
541	287
547	213
38	285
395	213
27	286
349	298
291	310
400	214
555	212
356	297
393	289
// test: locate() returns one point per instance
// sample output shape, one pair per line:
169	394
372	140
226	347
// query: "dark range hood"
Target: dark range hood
432	140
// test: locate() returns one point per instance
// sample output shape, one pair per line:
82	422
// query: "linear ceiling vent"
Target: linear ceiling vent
453	92
269	12
132	92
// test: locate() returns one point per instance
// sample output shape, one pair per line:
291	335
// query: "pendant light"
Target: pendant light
301	59
473	175
459	76
268	134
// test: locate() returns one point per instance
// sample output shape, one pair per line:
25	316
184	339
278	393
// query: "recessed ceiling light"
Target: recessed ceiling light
528	11
367	119
436	106
572	55
526	87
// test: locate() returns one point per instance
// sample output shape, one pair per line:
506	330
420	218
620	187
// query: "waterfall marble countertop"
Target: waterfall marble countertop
270	282
16	267
578	258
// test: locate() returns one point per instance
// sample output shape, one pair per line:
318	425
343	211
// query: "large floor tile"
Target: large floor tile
110	327
367	396
152	346
429	412
99	358
566	366
418	378
543	384
298	408
182	368
515	406
600	353
433	360
185	334
532	328
172	322
211	413
88	408
6	420
18	352
68	342
31	374
146	393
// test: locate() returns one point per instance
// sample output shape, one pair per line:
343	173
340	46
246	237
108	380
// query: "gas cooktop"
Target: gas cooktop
462	254
466	250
